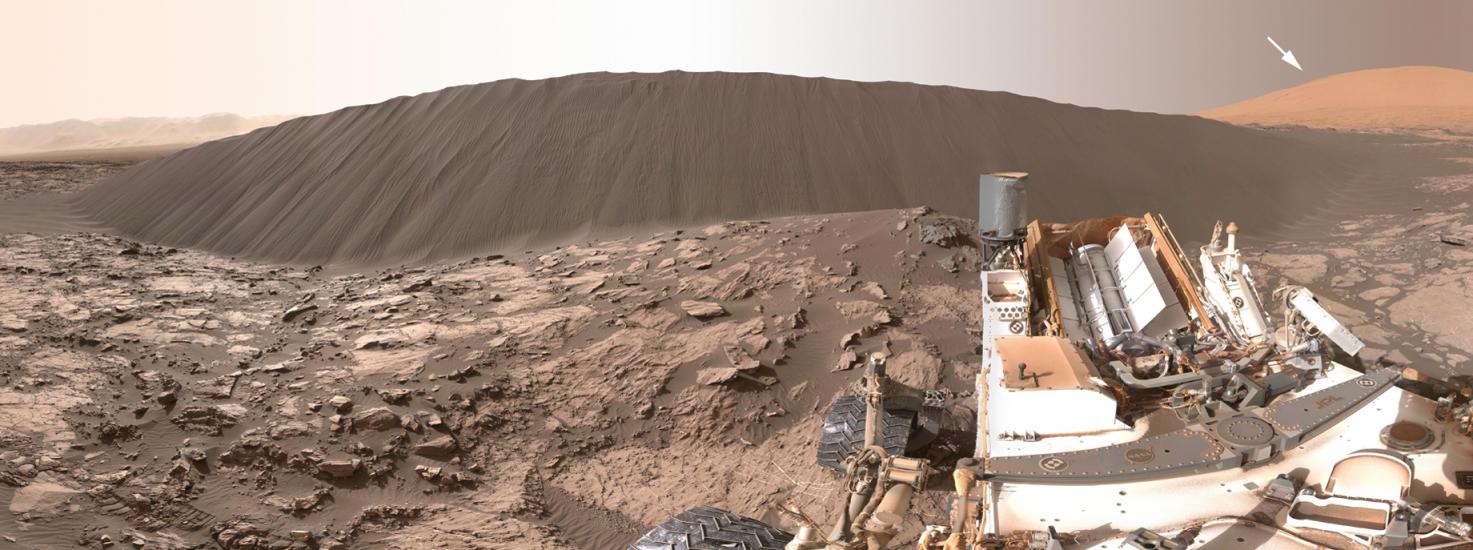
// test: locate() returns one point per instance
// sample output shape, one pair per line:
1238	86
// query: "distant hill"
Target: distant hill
1423	98
143	137
501	165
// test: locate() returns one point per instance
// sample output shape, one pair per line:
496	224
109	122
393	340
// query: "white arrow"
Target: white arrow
1288	55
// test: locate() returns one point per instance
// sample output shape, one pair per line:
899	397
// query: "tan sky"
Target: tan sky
99	59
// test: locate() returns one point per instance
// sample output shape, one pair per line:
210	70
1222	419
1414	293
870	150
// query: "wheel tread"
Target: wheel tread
843	431
709	528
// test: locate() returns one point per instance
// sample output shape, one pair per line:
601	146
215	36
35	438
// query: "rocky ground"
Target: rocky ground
563	398
19	179
559	398
1397	274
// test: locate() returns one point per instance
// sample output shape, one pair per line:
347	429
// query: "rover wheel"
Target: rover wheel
707	528
843	431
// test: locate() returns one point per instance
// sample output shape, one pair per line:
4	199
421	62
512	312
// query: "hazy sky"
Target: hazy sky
80	59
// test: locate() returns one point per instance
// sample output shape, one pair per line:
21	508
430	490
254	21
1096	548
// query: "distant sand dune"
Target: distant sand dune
505	164
1425	98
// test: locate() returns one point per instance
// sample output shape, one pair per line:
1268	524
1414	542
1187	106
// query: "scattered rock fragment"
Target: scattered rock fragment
12	323
243	353
341	403
865	310
340	468
419	285
716	375
296	311
739	358
942	235
847	360
438	448
395	396
210	420
702	310
378	418
219	387
874	289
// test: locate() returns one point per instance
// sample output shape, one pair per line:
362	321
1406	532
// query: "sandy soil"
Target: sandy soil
514	164
1395	99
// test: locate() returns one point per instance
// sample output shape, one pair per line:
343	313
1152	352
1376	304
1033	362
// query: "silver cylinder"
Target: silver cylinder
1105	302
1002	205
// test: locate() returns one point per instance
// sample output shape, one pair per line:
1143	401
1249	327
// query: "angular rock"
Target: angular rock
377	418
296	311
702	310
718	375
438	448
292	428
739	358
944	236
219	387
12	323
340	402
419	285
340	468
397	396
244	352
210	420
865	310
846	361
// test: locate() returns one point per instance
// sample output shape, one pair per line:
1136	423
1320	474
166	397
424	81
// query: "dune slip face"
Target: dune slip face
514	163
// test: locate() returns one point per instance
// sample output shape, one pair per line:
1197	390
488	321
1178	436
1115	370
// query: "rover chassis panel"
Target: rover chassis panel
1244	439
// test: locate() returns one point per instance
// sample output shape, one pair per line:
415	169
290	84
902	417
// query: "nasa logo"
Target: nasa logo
1053	463
1327	401
1140	455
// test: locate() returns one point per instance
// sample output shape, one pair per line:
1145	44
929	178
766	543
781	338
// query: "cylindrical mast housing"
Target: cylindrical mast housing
1002	205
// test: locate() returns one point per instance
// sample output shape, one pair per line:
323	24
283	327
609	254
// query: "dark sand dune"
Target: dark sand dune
509	163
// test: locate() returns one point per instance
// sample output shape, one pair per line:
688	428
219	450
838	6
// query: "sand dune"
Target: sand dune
510	163
1401	97
127	138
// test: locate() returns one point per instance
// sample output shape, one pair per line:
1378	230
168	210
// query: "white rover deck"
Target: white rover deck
1101	513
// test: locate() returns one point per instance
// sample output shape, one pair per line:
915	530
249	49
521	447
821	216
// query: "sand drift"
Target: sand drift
509	164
